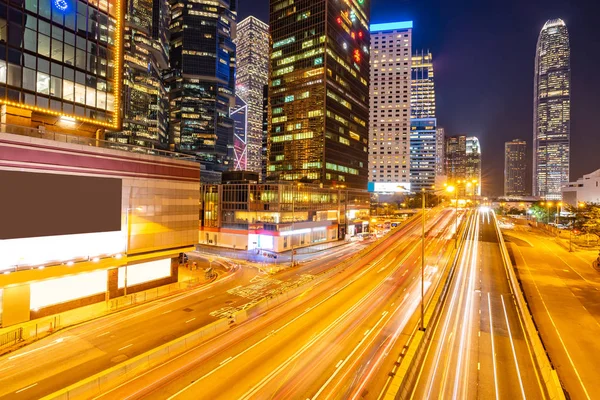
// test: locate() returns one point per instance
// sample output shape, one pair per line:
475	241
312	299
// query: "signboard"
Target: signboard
389	187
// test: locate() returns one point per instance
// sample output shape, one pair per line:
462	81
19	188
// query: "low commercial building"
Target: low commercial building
279	216
586	189
84	223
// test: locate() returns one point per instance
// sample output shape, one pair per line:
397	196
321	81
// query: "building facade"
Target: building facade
279	217
586	190
515	168
552	111
456	158
146	57
440	152
390	97
252	74
202	82
239	115
423	130
473	165
118	221
319	90
61	65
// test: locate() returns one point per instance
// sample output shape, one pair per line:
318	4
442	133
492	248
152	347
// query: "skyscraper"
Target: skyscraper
515	168
252	43
239	115
145	97
423	131
202	82
440	152
60	65
473	165
319	91
389	122
552	107
456	158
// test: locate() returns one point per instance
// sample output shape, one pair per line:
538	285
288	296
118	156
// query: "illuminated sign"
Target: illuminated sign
61	5
389	187
392	26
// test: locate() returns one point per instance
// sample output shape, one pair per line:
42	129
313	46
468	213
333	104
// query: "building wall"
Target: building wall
157	217
586	189
390	101
515	168
319	92
423	154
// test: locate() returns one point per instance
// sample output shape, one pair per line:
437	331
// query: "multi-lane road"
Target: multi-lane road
330	341
479	349
563	292
81	351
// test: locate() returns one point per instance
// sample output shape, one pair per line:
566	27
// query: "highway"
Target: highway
75	353
479	350
330	341
563	292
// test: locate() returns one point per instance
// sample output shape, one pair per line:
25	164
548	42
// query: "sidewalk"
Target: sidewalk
257	256
19	335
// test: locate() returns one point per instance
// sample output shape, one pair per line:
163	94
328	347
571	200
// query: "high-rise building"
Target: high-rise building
202	82
144	95
473	165
423	131
319	91
440	152
252	74
60	65
456	159
515	168
552	111
239	115
390	93
265	134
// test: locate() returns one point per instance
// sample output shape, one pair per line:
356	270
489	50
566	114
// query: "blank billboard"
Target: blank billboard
36	204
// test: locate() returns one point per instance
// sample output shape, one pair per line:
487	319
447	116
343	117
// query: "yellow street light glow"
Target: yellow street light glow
450	189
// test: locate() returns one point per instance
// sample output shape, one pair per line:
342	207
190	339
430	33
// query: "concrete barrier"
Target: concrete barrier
547	371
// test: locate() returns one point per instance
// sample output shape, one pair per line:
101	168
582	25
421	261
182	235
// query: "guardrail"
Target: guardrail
548	373
11	338
120	373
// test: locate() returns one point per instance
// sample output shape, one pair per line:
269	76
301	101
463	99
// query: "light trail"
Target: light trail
512	345
493	347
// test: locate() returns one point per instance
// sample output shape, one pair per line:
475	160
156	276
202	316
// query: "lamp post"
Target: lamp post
293	220
454	189
423	261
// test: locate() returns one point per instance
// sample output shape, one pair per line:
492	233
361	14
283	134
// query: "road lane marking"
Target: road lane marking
125	347
190	320
166	312
512	344
103	334
57	341
25	388
493	346
225	360
338	364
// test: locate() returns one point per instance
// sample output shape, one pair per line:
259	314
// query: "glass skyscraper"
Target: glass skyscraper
252	74
145	98
552	111
423	130
202	82
60	64
319	94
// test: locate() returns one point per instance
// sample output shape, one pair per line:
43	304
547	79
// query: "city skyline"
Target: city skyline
457	65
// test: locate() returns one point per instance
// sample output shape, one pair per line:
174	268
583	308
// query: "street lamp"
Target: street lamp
423	261
548	205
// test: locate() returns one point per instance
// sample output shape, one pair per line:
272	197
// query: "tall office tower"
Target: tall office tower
239	115
515	168
202	82
252	43
265	134
319	91
440	152
473	165
145	97
552	111
456	158
389	120
423	130
60	65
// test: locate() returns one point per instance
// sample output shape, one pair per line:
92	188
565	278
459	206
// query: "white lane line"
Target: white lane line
166	312
59	340
512	344
225	360
124	347
103	334
190	320
25	388
338	364
493	347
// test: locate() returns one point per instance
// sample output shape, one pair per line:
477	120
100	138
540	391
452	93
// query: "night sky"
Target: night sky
484	54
